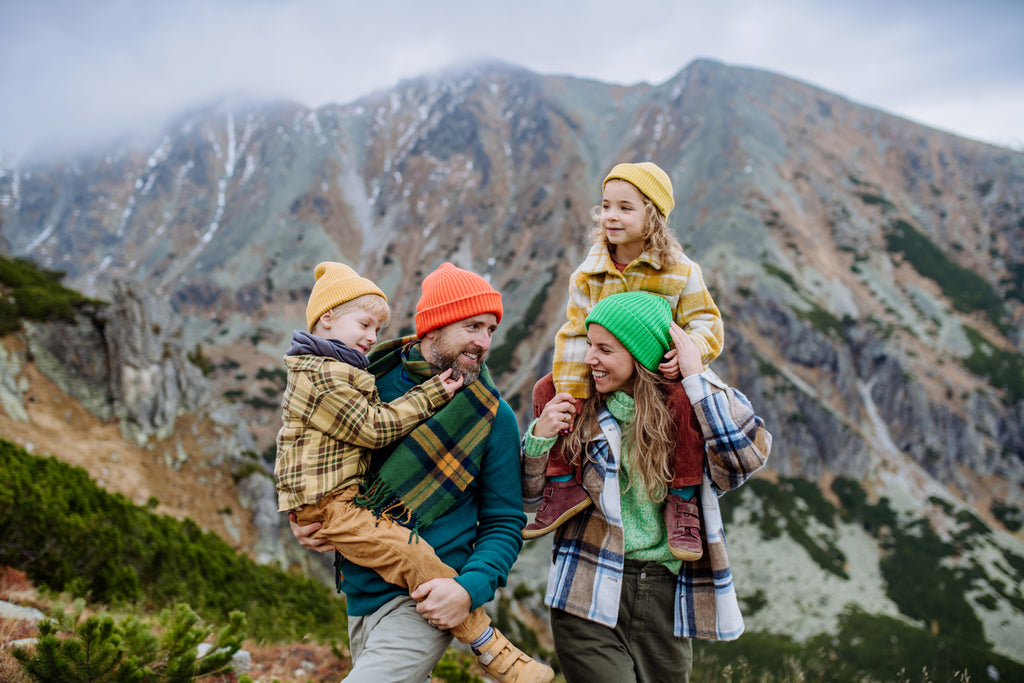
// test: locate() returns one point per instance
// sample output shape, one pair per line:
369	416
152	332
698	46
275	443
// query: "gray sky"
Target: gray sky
75	71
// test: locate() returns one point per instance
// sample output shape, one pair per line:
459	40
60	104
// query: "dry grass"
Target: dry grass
11	630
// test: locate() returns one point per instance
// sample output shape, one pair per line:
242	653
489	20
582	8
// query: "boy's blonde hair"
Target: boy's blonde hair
373	304
658	240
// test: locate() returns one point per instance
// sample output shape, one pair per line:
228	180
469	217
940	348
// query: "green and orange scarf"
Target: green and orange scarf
432	466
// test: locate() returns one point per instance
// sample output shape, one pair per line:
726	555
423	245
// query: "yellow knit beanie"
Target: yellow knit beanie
451	294
335	284
653	182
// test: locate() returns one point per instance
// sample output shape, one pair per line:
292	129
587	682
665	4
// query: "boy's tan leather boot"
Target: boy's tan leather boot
504	662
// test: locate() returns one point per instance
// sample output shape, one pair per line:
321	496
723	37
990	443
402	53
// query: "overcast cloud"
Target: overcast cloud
73	72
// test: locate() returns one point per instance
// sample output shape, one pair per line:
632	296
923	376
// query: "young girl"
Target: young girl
633	251
623	608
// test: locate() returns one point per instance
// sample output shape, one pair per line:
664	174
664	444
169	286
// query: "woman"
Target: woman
623	608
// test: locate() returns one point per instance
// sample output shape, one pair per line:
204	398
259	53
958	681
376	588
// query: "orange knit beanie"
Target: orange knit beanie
451	294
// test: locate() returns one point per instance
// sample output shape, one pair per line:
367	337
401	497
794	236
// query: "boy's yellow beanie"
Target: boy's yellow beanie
653	182
335	284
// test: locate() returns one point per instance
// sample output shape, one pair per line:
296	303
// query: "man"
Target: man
453	481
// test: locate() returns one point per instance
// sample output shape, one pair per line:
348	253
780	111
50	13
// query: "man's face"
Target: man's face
461	345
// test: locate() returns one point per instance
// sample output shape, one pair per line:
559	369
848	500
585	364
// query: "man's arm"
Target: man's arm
304	535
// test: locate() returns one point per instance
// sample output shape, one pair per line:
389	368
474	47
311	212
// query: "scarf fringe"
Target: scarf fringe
378	498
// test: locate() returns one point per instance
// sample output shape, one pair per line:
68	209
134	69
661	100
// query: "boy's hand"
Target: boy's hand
451	384
556	416
688	357
668	367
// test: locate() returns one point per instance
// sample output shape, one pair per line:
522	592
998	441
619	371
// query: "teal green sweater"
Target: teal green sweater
479	537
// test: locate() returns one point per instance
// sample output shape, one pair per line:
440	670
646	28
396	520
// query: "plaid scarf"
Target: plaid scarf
437	461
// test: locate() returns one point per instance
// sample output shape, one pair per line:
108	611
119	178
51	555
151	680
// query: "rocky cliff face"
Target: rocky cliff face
125	361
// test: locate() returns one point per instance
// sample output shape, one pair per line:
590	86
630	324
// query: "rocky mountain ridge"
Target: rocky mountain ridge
870	270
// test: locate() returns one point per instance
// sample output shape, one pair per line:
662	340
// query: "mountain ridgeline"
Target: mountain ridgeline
870	270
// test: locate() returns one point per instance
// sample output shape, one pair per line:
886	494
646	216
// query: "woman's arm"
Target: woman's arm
552	413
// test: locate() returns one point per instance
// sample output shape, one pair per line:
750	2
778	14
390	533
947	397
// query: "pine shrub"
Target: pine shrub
71	649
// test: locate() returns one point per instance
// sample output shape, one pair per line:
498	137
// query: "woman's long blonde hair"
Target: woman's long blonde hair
649	439
659	241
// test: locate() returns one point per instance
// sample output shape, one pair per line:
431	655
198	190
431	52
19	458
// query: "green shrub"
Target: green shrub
968	291
1003	369
876	644
279	376
454	667
102	648
865	648
923	588
136	557
783	275
28	292
783	515
199	360
1010	516
916	579
1015	281
873	199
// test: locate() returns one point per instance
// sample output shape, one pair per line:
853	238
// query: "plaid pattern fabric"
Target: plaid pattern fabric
585	577
682	285
422	478
331	416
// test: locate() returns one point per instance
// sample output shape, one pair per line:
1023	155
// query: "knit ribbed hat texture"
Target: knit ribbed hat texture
640	320
451	294
653	182
335	284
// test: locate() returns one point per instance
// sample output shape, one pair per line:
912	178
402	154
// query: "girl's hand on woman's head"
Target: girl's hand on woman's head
556	416
669	367
688	356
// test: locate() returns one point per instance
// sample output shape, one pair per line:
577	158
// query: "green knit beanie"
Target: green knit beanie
640	320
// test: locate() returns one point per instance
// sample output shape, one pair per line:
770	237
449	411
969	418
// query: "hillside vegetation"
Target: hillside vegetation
28	292
71	536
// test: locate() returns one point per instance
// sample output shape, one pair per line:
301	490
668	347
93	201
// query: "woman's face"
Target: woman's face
610	363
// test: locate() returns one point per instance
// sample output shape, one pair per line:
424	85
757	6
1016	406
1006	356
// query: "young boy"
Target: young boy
332	417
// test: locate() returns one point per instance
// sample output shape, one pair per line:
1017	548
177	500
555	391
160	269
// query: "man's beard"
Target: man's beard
444	356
